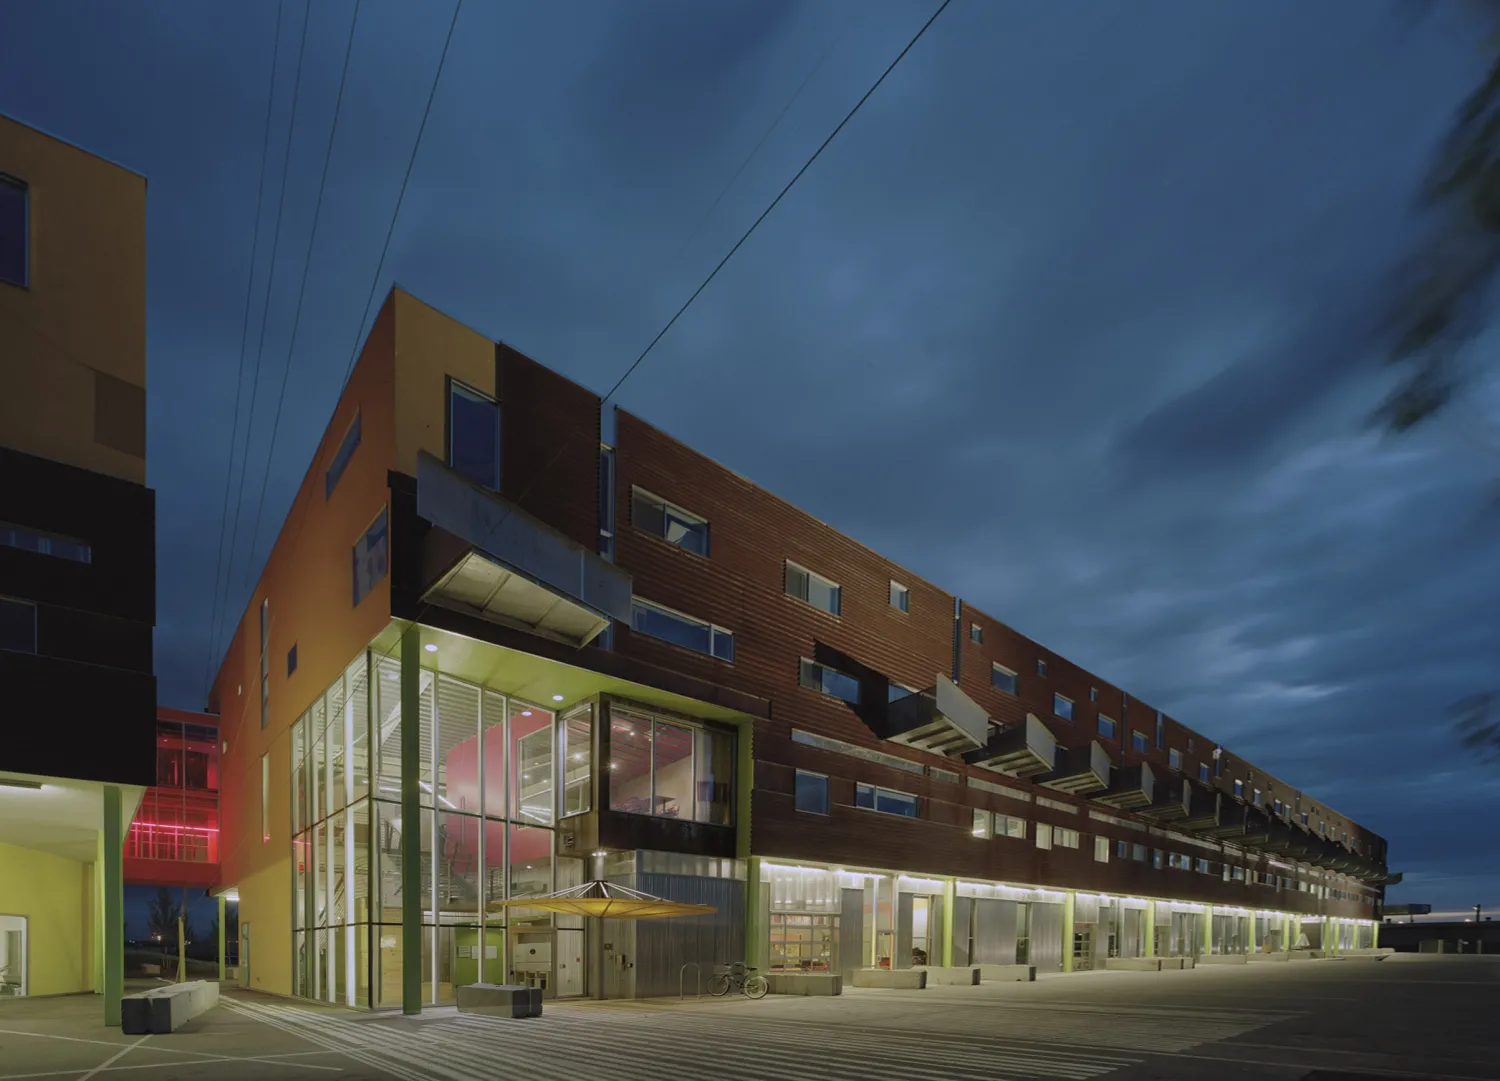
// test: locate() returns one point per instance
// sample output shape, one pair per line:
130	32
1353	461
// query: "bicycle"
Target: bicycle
737	975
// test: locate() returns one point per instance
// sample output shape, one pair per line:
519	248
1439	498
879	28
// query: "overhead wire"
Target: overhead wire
260	197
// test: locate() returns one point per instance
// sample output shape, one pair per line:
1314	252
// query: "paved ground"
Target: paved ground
1406	1017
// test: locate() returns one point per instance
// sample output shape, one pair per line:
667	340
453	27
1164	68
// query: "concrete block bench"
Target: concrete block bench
499	999
1007	973
909	979
805	983
1133	964
166	1009
958	976
1223	959
1175	962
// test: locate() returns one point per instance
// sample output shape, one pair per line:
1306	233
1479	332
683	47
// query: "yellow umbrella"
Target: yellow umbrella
606	900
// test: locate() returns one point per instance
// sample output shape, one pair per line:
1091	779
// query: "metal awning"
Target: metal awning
495	561
1079	771
1132	787
606	901
1019	750
941	720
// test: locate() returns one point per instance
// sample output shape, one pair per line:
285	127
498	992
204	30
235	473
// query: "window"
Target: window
265	798
1093	694
607	502
291	660
1255	799
1237	874
885	800
1041	667
900	597
14	230
47	544
1010	826
1156	856
1203	772
837	746
999	789
474	434
1138	741
812	792
976	633
1106	727
575	752
681	630
265	662
347	447
17	625
1056	805
654	515
1304	818
983	822
370	558
1174	758
1138	853
1101	849
1063	707
813	588
1161	731
1064	838
820	677
1239	790
1218	762
1043	835
1122	850
1003	678
947	776
894	692
669	768
1204	868
1178	862
1276	807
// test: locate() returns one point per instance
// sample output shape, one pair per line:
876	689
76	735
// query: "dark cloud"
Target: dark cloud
1075	318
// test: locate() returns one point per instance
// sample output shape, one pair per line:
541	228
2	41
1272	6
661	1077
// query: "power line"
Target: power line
260	196
427	606
302	289
265	311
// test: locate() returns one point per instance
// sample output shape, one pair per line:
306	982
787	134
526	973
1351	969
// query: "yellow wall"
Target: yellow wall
84	309
49	891
266	907
430	346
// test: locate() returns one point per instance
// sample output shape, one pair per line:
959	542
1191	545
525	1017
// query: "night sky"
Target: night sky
1078	318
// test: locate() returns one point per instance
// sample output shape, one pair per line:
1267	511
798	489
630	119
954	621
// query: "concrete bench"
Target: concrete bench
1223	959
805	983
1007	973
166	1009
909	979
499	999
1175	962
958	976
1281	955
1133	964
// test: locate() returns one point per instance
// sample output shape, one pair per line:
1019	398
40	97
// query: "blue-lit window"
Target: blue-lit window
1239	791
474	435
1203	772
47	544
341	457
885	800
681	630
607	502
1138	741
1174	758
371	558
1004	679
895	692
17	625
820	677
1106	727
1161	731
812	792
1041	667
671	523
15	227
1063	707
291	659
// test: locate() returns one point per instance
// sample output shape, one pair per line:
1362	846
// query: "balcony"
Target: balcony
940	720
1204	809
494	561
1235	818
1171	803
1019	750
1132	788
1259	826
1079	771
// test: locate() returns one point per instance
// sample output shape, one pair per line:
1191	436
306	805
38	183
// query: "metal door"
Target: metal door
901	954
852	935
963	928
1044	943
995	931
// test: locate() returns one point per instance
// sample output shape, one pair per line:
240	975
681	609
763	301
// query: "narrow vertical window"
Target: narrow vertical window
15	227
607	502
265	798
265	662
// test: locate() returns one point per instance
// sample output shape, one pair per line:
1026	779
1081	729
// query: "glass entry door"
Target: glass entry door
13	944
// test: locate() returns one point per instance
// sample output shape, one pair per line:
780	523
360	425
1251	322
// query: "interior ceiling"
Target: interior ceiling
62	817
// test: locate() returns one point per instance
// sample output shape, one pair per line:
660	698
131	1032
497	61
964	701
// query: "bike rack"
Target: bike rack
697	980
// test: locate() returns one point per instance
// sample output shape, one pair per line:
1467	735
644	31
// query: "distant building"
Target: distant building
77	560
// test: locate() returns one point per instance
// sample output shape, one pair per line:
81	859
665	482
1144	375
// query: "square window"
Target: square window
17	625
1010	826
1004	679
1106	727
900	597
1138	741
15	241
983	823
291	659
812	792
820	677
474	435
1063	707
813	588
671	523
1174	758
976	633
1041	667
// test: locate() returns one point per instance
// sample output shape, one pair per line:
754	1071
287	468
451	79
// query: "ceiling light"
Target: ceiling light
526	713
557	698
430	647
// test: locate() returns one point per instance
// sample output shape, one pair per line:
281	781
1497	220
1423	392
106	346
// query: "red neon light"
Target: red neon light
165	826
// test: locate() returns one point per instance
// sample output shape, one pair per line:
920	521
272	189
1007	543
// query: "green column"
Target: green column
1208	931
114	909
411	821
1288	940
757	930
950	896
1149	931
1067	931
1374	934
1254	929
98	885
223	956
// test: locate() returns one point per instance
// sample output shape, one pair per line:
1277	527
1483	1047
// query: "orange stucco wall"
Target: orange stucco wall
431	346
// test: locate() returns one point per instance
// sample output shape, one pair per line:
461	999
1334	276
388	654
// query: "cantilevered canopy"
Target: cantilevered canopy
606	900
